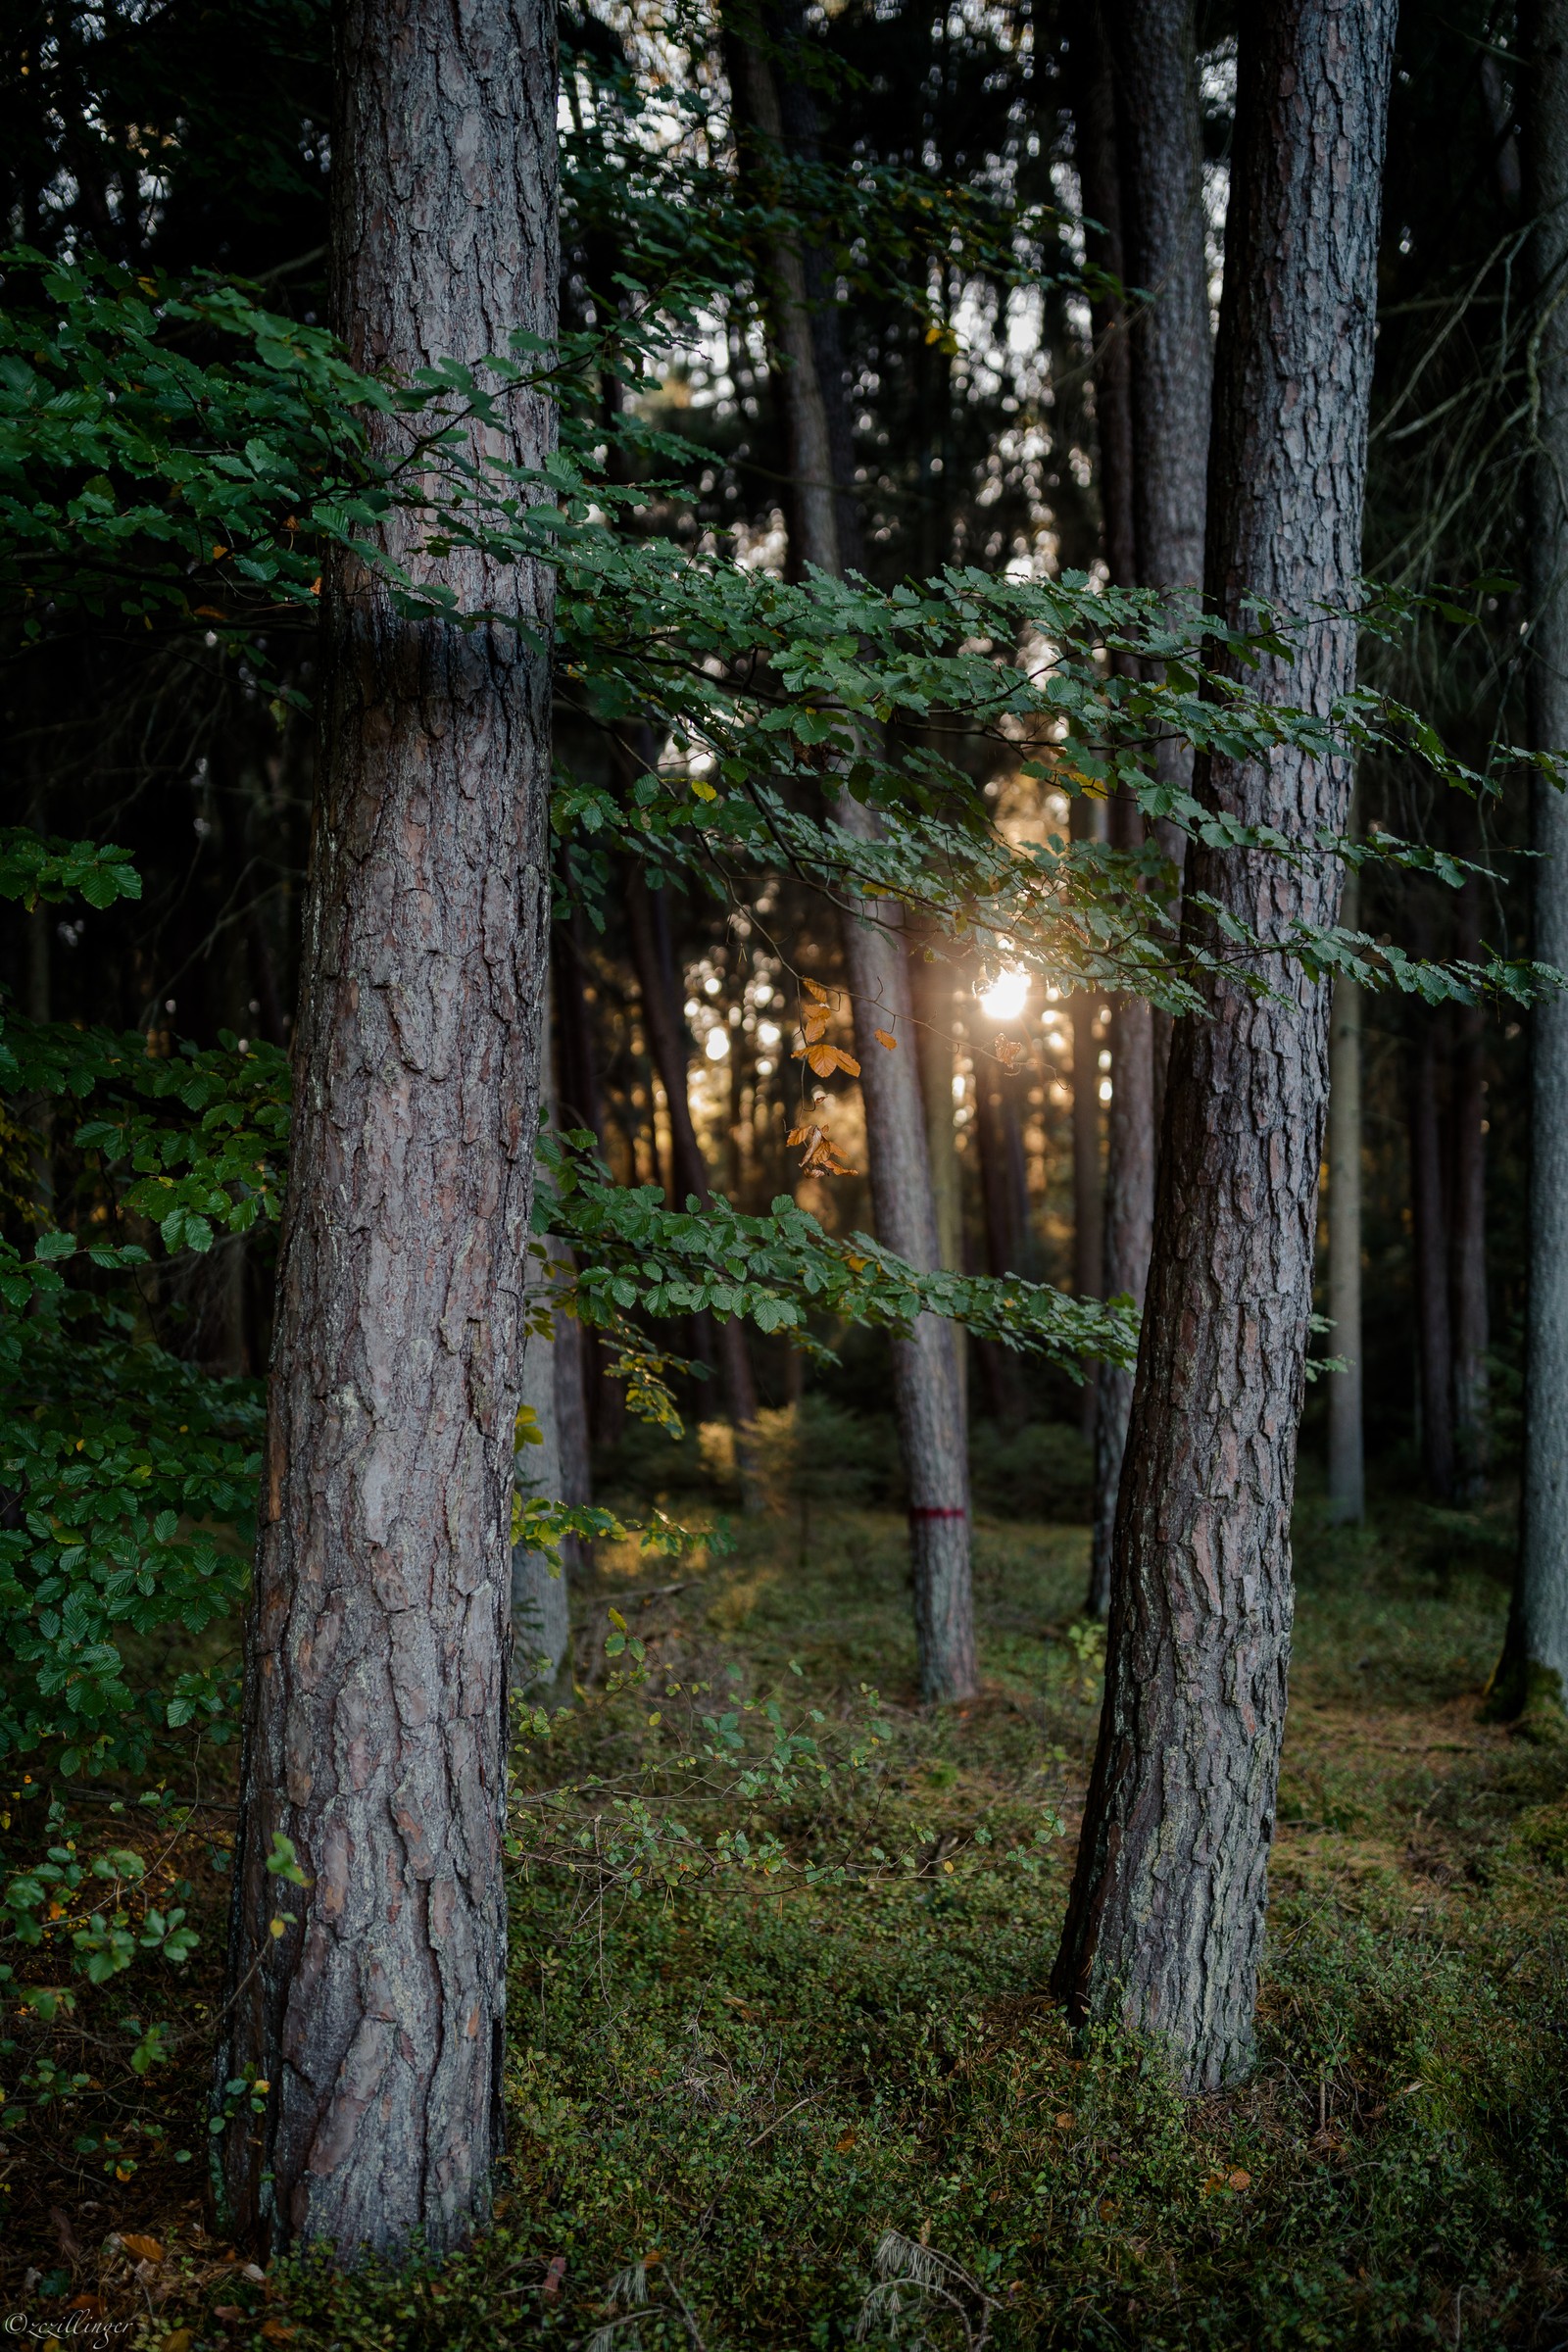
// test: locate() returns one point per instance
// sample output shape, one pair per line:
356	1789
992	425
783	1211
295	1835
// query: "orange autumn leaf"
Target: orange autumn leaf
815	988
799	1135
1010	1053
144	2249
845	2143
824	1059
813	1022
883	1039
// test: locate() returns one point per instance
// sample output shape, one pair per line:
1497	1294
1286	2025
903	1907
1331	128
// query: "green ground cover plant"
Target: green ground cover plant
811	2092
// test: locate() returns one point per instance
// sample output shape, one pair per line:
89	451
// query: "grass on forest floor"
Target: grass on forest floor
724	2102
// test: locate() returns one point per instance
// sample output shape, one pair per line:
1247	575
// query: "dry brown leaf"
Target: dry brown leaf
1010	1053
883	1039
1241	2178
1064	2123
181	2342
845	2143
824	1059
277	2332
813	1022
815	988
145	2249
801	1135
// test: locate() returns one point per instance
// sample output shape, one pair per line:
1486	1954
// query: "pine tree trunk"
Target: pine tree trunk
1468	1233
927	1389
1429	1230
1158	144
1092	87
376	1648
1166	1920
1347	1450
1533	1678
1159	139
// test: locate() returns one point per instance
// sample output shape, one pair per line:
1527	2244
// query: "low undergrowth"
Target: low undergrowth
818	2096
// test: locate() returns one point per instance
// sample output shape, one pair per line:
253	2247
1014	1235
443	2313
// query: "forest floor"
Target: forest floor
767	2110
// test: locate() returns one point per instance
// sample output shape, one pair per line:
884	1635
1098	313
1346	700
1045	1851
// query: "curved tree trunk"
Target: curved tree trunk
1533	1678
927	1389
1166	1920
1346	1448
376	1648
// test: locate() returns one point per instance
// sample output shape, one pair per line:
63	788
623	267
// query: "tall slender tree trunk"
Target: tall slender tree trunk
1129	1238
927	1389
1468	1229
1166	1920
375	1700
653	960
935	992
1093	92
1430	1234
997	1126
1347	1446
1158	147
555	1468
1533	1677
1087	1178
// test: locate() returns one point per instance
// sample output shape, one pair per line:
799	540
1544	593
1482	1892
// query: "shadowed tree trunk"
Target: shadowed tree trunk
1531	1679
926	1392
1158	145
1346	1451
1088	1177
1166	1920
556	1468
1006	1205
1468	1227
599	1409
1430	1233
376	1648
1093	92
658	984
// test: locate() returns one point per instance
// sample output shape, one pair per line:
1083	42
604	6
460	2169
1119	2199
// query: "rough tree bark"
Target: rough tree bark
927	1389
1158	145
1533	1677
1166	1920
375	1700
1346	1448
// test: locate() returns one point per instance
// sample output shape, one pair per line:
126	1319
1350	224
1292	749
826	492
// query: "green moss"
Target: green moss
731	2099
